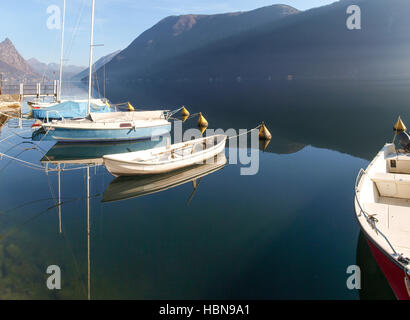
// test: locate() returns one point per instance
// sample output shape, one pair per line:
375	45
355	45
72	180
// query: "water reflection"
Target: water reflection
93	152
242	236
374	284
123	188
353	117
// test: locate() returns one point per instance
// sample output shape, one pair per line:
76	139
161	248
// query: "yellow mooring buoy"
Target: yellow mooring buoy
202	123
264	133
184	118
399	126
263	144
130	107
184	112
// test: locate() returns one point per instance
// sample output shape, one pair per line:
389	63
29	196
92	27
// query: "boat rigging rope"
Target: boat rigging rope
7	115
32	165
6	138
69	48
18	135
243	133
24	163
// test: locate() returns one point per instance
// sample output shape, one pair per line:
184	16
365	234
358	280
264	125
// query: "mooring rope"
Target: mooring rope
243	133
26	163
187	118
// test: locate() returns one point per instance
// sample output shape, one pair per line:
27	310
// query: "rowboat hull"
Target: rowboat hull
101	135
118	167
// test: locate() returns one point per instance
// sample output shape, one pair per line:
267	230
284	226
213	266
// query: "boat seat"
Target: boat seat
392	185
398	163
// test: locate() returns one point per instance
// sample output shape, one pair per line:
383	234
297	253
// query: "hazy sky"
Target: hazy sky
118	22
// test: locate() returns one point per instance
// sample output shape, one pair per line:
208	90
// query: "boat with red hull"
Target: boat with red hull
394	273
382	205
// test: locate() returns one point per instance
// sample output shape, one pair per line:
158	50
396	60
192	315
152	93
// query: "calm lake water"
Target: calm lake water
288	232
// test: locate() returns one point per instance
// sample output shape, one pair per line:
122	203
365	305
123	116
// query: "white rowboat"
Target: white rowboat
382	204
165	159
123	188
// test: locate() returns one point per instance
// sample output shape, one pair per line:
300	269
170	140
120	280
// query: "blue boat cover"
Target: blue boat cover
68	110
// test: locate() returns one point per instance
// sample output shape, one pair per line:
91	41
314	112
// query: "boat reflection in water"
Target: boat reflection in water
68	157
374	285
123	188
40	135
93	152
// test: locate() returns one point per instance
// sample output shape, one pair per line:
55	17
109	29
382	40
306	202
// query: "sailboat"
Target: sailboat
112	126
382	204
65	108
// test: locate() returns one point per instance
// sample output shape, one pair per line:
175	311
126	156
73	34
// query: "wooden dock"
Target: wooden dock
35	90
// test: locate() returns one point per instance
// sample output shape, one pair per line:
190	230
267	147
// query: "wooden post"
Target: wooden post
21	91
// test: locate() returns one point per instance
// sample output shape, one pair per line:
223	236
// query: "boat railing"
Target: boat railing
359	177
55	111
369	219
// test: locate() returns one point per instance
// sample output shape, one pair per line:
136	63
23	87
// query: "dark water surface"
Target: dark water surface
288	232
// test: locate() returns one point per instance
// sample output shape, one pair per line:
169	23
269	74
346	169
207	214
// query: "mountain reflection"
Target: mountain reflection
353	117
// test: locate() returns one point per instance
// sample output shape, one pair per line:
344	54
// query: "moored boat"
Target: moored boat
165	159
112	126
123	188
382	204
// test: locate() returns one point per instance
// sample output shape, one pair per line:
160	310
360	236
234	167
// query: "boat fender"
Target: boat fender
37	123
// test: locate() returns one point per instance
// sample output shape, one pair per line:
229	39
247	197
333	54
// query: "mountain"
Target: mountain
12	64
51	70
177	35
311	44
100	62
37	65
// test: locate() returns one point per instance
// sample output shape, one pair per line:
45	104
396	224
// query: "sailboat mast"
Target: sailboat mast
88	235
91	56
62	52
59	199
